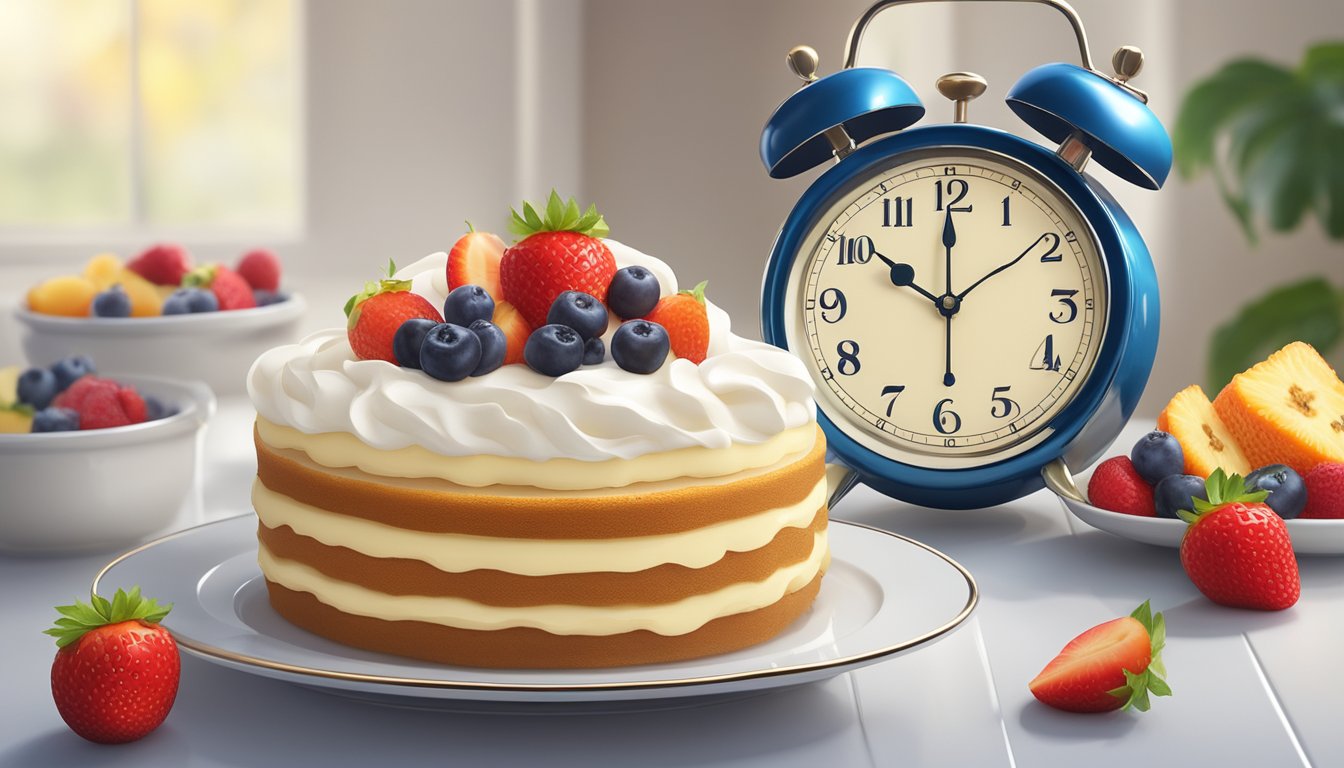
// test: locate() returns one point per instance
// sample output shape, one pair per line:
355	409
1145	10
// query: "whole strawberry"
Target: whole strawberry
229	287
1325	492
1110	666
684	317
560	252
116	673
261	269
375	314
102	403
1117	486
1237	550
164	264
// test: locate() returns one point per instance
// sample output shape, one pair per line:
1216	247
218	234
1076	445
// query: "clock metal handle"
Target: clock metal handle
860	26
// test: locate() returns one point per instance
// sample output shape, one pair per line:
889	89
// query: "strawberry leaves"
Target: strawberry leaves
373	288
78	619
559	216
1222	489
1139	684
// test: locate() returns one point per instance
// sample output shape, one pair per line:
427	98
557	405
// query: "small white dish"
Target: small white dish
1310	537
216	347
883	595
102	489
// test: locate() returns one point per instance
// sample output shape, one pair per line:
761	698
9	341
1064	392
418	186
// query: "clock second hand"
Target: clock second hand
948	311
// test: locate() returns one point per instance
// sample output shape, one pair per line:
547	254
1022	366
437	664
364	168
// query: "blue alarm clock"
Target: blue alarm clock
974	308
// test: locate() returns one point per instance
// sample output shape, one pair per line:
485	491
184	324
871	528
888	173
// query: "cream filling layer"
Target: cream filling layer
671	619
457	552
339	449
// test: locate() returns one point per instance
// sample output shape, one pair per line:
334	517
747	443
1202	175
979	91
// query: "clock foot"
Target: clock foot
840	480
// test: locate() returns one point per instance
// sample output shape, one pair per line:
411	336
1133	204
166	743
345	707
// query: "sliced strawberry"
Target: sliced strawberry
1114	665
515	328
474	260
560	251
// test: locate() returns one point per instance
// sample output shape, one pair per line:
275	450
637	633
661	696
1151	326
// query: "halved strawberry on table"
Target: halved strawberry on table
115	676
561	250
375	314
1111	666
1237	550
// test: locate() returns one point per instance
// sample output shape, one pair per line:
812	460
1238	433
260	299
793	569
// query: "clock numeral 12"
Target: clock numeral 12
854	249
898	212
956	189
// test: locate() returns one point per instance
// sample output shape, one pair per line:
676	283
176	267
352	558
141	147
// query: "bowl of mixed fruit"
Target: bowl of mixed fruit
92	461
161	314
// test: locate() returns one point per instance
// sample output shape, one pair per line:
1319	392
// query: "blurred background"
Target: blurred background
343	133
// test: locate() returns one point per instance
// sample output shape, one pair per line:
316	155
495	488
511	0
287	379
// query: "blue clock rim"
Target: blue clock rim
923	483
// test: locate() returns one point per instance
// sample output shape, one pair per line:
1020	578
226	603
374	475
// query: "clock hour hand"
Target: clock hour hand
1033	247
903	276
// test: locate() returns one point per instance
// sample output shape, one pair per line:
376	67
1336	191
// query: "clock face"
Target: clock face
951	305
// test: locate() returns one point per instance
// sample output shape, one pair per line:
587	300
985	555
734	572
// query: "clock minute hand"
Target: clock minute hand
1003	267
903	276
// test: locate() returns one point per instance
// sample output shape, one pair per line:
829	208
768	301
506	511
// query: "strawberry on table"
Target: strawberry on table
1111	666
115	676
375	314
686	321
261	269
229	287
474	260
1117	486
163	264
560	251
1237	550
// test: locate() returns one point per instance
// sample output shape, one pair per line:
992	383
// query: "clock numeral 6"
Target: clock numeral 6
1066	298
1050	253
946	420
833	299
895	391
1002	407
854	249
848	350
956	190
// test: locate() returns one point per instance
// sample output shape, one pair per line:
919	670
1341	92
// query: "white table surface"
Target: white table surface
1251	689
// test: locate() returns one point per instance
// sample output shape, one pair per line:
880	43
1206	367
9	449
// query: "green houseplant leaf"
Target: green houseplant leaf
1310	310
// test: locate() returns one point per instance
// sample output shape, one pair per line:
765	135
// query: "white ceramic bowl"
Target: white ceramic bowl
1310	537
215	347
102	489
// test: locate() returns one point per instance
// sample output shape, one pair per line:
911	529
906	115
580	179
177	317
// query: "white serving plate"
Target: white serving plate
884	595
216	347
1310	537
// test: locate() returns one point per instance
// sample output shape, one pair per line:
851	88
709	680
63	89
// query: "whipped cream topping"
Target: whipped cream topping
744	392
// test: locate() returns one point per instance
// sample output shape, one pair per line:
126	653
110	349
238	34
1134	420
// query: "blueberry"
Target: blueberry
1156	455
112	303
156	409
633	292
579	311
1287	492
409	339
467	304
37	387
594	351
55	420
450	352
1175	492
554	350
267	298
640	346
493	346
69	370
185	301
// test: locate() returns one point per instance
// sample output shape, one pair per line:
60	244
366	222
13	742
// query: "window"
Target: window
150	114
